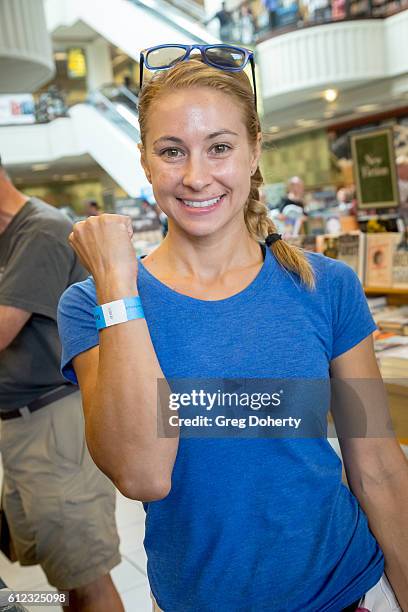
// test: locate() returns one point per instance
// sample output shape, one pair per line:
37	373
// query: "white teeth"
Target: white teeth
201	204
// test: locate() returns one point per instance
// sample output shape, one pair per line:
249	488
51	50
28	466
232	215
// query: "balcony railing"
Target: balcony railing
252	22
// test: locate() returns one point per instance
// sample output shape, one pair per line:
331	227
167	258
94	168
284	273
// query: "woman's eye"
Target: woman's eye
171	153
221	148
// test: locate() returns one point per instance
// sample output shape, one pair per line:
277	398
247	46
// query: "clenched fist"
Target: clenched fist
103	244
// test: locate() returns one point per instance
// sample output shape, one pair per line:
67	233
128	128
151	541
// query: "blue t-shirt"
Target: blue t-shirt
250	524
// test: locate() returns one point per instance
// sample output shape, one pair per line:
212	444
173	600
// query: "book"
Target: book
379	258
400	268
351	250
395	320
376	304
327	244
394	363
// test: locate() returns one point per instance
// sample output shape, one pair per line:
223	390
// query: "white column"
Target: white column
26	60
99	64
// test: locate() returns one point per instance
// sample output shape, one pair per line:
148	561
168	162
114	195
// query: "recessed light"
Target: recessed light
367	108
69	177
39	167
330	95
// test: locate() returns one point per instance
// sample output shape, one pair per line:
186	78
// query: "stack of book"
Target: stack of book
392	355
394	320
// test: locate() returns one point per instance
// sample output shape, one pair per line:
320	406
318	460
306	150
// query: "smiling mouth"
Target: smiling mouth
202	203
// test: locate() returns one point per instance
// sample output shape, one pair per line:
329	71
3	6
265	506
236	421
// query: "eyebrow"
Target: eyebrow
209	137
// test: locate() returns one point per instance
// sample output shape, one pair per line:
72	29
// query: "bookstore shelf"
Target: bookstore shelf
389	290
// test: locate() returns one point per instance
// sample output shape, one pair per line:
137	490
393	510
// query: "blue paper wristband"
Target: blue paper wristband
119	311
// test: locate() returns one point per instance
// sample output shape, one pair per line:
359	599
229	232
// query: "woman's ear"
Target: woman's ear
143	161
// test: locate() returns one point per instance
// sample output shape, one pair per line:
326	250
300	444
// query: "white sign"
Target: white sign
17	109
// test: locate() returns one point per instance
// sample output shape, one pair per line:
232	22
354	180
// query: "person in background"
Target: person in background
293	200
92	208
272	7
59	507
226	23
246	24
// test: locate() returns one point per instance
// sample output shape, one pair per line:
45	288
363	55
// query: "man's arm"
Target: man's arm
376	468
12	321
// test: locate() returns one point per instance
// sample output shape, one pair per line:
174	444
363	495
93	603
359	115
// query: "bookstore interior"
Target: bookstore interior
365	225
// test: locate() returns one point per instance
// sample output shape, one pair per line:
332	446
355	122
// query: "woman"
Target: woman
233	522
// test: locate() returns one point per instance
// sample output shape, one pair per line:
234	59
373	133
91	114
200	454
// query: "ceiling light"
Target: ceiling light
69	177
273	129
367	108
39	167
330	95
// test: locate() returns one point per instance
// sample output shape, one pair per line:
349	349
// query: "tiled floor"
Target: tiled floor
129	577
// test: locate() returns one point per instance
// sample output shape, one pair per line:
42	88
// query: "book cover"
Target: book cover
351	250
400	268
379	258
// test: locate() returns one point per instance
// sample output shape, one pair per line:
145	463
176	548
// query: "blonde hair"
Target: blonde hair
194	73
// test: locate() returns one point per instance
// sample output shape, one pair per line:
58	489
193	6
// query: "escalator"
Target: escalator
130	25
109	130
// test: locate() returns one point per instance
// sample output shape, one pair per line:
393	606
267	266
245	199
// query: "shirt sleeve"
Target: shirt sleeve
36	274
76	324
352	319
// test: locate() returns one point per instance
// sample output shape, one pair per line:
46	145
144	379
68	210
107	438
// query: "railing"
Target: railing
251	22
119	106
175	13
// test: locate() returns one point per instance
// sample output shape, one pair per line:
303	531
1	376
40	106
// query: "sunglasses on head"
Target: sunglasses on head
223	57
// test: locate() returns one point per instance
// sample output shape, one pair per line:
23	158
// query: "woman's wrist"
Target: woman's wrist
109	290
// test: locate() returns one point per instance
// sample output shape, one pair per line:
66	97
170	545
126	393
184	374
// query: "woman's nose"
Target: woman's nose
196	174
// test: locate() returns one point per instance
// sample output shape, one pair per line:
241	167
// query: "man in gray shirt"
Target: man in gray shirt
59	506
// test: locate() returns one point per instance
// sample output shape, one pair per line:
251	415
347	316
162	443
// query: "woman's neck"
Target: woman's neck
205	259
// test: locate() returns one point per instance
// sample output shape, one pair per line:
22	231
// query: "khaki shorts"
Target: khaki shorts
59	506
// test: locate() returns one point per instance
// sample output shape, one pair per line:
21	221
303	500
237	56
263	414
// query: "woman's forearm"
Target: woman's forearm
122	419
385	502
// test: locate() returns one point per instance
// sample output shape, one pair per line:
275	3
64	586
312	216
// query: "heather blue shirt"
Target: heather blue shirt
250	525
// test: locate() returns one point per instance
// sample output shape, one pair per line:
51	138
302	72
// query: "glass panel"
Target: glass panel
226	57
165	57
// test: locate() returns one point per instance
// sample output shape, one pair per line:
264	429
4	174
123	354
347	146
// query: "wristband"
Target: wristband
118	311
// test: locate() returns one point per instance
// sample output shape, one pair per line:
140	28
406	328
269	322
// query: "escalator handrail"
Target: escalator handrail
177	20
97	96
125	91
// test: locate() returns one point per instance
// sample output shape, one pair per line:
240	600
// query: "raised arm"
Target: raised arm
119	380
